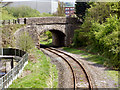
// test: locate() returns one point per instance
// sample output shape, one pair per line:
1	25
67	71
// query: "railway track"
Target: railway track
81	78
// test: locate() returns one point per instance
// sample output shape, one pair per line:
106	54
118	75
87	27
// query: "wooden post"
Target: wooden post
12	63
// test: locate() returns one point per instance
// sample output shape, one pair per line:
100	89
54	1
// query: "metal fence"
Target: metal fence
13	21
7	79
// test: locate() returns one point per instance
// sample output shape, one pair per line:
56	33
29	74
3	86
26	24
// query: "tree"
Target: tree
24	41
60	9
115	8
100	31
105	38
80	8
22	11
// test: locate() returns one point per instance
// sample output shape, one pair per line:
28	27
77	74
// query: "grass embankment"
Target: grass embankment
38	73
8	39
94	58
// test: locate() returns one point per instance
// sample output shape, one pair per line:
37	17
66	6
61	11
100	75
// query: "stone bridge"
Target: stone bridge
62	28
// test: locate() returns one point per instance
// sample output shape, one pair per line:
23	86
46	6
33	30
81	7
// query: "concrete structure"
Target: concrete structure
43	6
62	29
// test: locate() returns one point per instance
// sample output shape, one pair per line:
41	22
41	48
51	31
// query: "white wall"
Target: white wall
42	7
54	6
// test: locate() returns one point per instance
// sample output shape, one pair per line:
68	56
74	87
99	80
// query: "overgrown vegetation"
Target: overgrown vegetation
5	15
100	31
8	39
94	58
60	9
20	12
46	38
80	8
38	73
49	34
24	42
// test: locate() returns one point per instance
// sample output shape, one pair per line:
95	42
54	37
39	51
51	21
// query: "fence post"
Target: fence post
12	63
8	21
7	79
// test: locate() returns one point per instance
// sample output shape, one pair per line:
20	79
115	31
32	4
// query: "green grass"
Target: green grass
114	74
43	73
94	58
48	42
44	40
8	34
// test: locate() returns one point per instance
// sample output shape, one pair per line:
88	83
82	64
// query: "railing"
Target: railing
13	21
7	79
41	20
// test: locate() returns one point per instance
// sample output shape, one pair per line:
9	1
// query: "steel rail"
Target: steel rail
67	63
87	77
74	79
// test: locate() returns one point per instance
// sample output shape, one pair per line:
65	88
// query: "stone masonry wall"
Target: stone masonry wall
37	25
50	20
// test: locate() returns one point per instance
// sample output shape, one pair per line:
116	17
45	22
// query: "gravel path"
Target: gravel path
97	72
65	79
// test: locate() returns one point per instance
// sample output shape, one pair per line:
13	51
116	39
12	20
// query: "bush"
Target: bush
6	15
23	11
24	42
79	38
49	34
100	31
8	39
106	37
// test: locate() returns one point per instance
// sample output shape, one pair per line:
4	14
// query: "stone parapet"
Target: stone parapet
51	20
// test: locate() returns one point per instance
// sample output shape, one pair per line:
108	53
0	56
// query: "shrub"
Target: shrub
106	37
22	11
5	15
8	35
24	42
49	34
80	38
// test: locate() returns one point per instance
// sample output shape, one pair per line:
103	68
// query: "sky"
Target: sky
67	0
41	0
64	0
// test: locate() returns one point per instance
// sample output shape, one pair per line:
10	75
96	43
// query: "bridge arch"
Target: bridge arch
58	38
58	33
35	25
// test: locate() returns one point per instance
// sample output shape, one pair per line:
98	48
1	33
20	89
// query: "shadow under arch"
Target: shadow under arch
58	38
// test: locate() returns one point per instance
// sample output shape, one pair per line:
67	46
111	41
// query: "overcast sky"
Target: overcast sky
64	0
40	0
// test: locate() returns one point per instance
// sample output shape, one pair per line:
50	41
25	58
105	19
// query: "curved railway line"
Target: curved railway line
79	74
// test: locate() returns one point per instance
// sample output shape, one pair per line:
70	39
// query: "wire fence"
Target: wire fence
7	79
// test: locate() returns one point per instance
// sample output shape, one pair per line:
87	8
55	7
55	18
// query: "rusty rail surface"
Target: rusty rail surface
56	52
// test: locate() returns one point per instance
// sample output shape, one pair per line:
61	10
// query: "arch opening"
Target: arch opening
58	38
53	38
